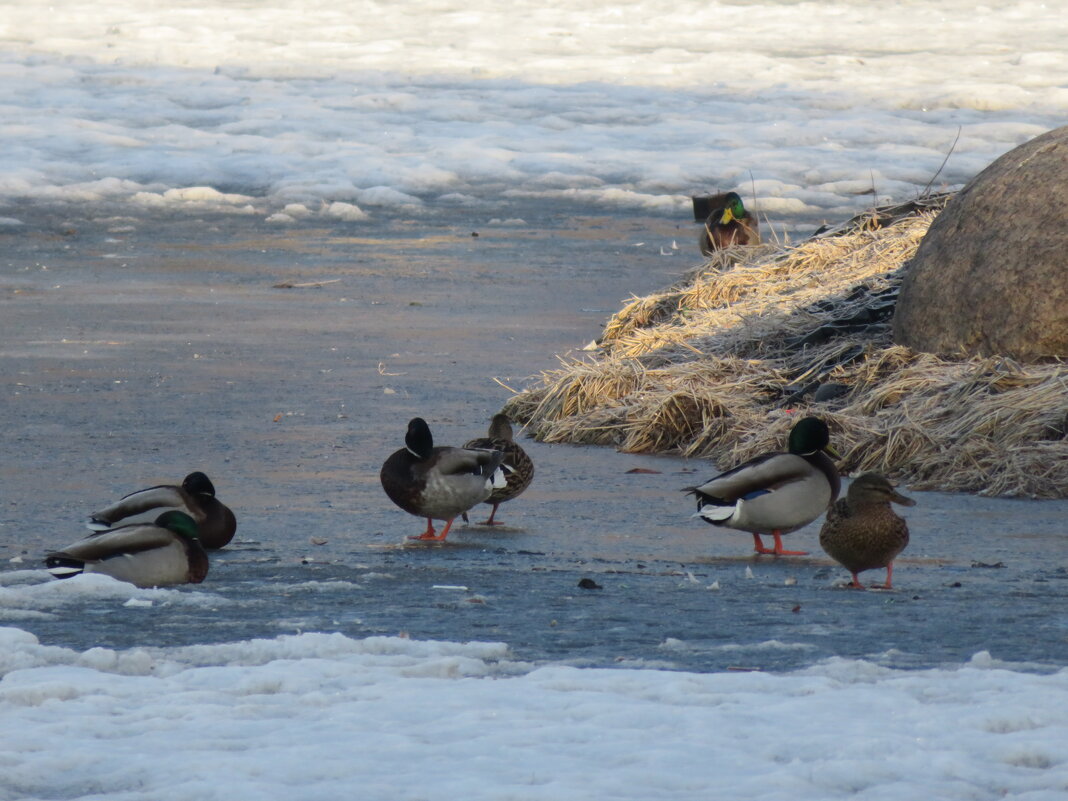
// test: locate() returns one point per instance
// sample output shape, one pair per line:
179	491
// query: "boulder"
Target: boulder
991	275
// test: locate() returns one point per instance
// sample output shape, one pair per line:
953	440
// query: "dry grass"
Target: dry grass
721	364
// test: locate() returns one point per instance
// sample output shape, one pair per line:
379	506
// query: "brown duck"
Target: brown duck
728	224
862	531
518	468
438	483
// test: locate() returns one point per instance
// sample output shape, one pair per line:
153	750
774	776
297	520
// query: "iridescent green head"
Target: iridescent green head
180	523
733	209
809	435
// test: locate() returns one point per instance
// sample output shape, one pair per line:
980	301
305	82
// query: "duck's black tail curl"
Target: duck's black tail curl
64	566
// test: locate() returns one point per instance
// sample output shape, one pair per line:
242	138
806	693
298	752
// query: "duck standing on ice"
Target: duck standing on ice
775	493
439	483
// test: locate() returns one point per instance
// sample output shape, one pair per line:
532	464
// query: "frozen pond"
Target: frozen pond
135	356
164	166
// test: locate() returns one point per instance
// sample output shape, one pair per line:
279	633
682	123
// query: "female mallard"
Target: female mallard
196	497
144	554
518	468
775	493
438	483
862	531
728	224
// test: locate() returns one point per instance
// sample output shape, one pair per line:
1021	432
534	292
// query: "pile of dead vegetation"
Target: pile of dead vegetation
721	364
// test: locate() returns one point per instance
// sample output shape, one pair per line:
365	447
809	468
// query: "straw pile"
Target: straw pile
721	364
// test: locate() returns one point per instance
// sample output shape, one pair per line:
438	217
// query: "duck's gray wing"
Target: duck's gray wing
136	503
456	461
125	539
765	473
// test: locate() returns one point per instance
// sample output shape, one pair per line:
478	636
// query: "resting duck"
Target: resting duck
439	483
775	493
862	531
196	497
518	468
728	224
145	554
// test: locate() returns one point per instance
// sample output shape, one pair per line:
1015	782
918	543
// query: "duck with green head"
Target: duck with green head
196	497
863	532
439	483
145	554
729	223
775	493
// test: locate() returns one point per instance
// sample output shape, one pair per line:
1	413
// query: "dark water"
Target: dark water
134	350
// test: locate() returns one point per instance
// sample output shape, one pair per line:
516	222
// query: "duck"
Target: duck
863	532
775	493
728	224
156	554
518	467
439	483
195	496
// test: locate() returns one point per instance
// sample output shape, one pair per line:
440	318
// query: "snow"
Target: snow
323	716
297	110
367	108
23	594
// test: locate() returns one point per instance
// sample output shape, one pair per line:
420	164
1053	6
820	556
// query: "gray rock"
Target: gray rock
991	275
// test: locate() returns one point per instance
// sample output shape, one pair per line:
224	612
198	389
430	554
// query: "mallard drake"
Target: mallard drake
145	554
196	497
439	483
775	493
862	531
728	224
518	468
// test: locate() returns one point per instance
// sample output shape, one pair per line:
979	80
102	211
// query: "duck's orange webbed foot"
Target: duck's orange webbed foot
889	585
490	521
778	551
759	545
429	534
